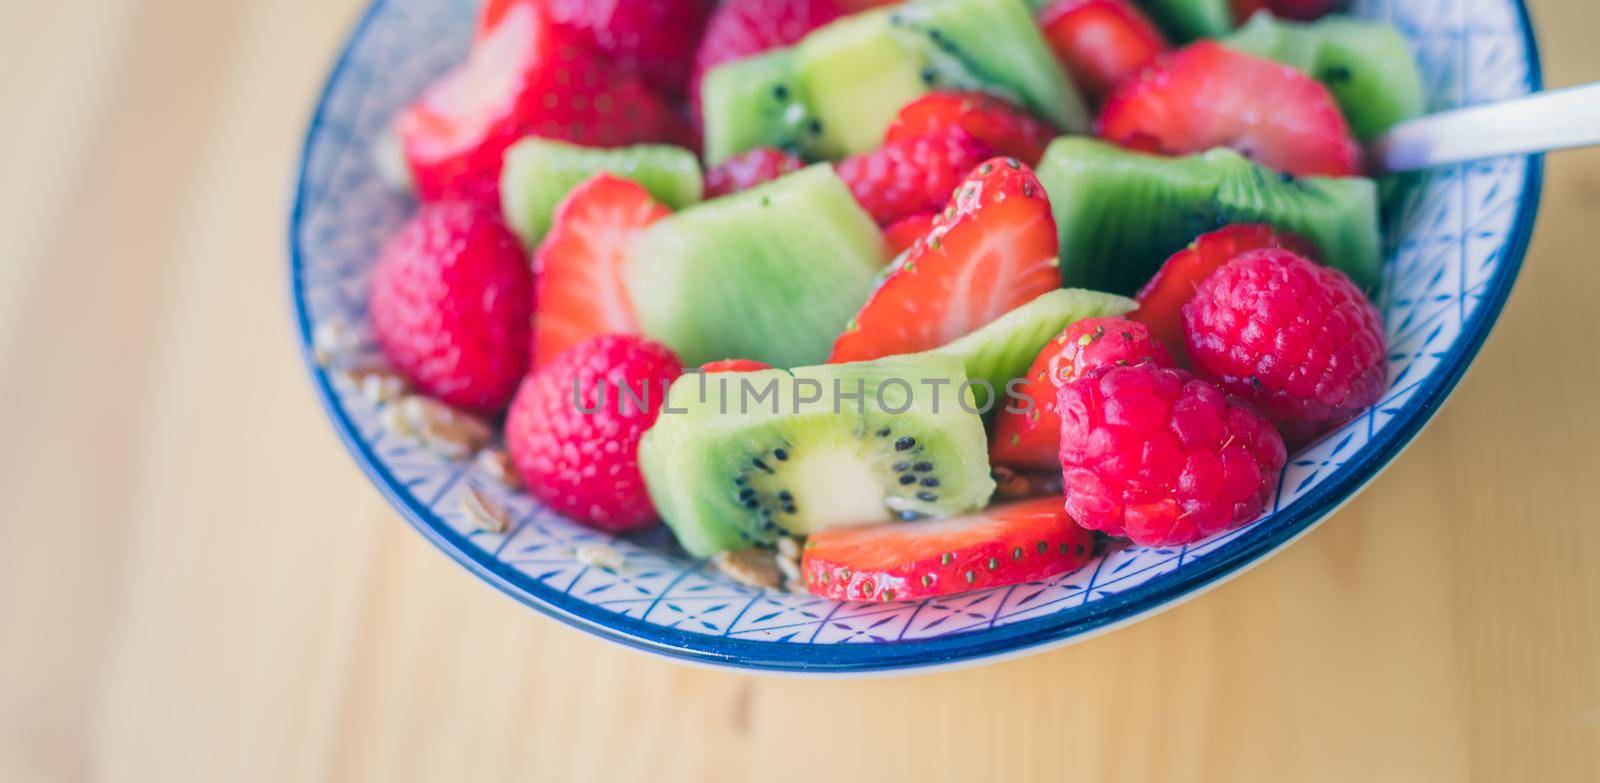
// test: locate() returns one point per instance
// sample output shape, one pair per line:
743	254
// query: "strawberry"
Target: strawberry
734	365
741	28
525	76
1005	129
1303	10
991	251
905	232
655	39
1207	95
573	430
911	175
902	561
749	169
1100	41
1031	438
450	304
579	269
1162	299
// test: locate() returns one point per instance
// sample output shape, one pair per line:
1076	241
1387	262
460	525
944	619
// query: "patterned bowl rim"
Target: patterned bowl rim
989	645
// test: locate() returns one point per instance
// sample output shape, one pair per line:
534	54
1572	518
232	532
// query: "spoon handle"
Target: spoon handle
1543	121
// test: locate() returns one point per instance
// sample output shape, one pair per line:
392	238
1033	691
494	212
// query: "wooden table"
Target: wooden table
196	583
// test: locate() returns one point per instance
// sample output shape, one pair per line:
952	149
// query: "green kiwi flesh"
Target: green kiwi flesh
757	102
1185	20
538	173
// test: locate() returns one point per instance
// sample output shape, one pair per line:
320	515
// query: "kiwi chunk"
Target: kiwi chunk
1364	63
771	273
1004	349
742	458
1186	20
1122	213
999	43
757	102
538	173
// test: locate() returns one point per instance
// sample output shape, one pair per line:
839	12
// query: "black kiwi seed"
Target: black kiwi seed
927	497
788	508
928	76
905	443
783	495
907	478
901	467
1337	73
815	127
746	493
751	503
780	92
883	433
780	454
930	482
762	465
922	467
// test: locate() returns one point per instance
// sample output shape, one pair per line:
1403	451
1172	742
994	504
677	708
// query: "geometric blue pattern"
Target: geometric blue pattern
1455	242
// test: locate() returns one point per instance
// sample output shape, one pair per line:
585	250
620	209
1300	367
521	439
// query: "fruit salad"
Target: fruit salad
883	301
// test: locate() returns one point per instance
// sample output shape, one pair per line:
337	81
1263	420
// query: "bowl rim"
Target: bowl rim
1023	637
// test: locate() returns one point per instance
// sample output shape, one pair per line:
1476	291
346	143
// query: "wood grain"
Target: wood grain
197	584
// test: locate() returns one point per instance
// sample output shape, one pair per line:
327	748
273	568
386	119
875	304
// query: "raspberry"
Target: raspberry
1298	340
586	464
1161	457
451	303
749	169
912	175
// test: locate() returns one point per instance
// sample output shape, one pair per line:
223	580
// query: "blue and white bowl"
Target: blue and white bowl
1454	246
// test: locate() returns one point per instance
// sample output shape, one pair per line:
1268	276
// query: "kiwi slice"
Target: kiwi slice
1364	63
538	173
756	102
999	43
1122	213
1186	20
742	458
1005	348
771	273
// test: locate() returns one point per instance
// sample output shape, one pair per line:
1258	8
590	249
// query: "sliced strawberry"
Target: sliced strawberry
911	175
1029	436
741	28
749	169
525	76
899	561
1100	42
1005	129
1208	96
579	269
1162	299
734	365
992	250
905	232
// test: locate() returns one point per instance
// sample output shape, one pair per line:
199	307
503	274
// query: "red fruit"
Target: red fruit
655	39
1208	96
1032	439
1303	10
1297	339
585	465
905	232
749	169
734	365
900	561
1003	128
451	300
526	76
1158	456
911	175
741	28
1162	299
991	251
1100	42
579	269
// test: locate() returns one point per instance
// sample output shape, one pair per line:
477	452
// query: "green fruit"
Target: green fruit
756	102
538	173
771	273
1186	20
835	92
1122	213
999	43
1004	350
1365	64
730	463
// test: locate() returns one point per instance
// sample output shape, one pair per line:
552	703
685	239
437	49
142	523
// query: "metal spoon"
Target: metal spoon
1541	122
